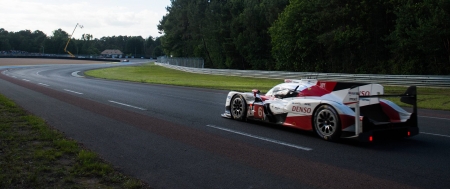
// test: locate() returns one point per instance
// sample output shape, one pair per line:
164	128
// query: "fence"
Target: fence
403	80
50	56
186	62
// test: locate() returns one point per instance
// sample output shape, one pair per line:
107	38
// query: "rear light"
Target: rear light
409	133
370	138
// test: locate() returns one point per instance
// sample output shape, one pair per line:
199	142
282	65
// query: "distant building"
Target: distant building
112	53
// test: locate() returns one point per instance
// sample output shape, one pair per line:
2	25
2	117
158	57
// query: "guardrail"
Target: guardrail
402	80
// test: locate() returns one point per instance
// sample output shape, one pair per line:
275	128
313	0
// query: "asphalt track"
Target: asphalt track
174	137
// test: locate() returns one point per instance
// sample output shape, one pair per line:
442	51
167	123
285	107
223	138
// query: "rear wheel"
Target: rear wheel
326	123
238	108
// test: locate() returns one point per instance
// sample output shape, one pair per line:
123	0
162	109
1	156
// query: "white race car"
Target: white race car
332	109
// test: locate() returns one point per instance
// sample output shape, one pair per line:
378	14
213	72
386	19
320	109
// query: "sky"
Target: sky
101	18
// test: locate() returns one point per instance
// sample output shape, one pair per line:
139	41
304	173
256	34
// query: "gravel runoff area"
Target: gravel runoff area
42	61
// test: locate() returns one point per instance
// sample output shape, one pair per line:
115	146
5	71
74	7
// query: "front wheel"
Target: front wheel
238	108
326	123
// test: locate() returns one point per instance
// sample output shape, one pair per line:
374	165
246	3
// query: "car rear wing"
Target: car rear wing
409	97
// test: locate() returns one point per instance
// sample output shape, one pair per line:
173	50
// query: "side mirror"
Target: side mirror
255	92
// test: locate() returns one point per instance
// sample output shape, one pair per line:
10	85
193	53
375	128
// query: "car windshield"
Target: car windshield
285	86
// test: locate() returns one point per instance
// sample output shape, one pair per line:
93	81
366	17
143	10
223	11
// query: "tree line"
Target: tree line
39	42
339	36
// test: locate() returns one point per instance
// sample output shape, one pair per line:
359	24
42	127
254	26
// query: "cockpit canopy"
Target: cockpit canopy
283	89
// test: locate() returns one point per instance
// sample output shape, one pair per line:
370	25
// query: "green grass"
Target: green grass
428	98
33	155
149	73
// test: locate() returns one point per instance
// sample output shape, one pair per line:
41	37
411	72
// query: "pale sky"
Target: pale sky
101	18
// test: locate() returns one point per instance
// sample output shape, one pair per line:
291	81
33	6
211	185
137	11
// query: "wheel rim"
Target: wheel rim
237	108
326	122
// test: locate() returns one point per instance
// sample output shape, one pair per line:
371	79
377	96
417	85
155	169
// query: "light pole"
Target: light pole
43	50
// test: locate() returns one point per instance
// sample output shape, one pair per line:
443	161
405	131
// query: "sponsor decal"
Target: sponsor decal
296	103
301	109
353	99
307	104
353	93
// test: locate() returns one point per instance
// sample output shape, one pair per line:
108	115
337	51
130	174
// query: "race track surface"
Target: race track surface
174	137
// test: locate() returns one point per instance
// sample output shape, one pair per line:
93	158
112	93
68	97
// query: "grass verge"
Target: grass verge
428	98
33	155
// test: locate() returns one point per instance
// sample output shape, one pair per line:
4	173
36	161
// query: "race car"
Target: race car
333	110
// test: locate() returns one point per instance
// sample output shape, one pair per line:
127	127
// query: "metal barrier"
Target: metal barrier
401	80
186	62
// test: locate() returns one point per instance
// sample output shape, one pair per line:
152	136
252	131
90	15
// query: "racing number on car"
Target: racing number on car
364	93
260	111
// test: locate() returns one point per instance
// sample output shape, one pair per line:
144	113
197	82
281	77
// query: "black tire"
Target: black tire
326	123
238	108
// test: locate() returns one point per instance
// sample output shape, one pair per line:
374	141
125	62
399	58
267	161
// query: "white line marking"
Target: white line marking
127	105
75	74
43	84
14	76
26	80
73	91
261	138
435	117
435	134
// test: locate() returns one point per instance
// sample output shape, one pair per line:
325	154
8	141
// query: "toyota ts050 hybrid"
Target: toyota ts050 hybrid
333	110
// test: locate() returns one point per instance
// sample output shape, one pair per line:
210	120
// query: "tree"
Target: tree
38	40
330	36
56	43
227	34
175	28
4	40
251	21
421	39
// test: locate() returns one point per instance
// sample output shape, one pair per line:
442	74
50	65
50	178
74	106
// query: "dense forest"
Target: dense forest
343	36
331	36
39	42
